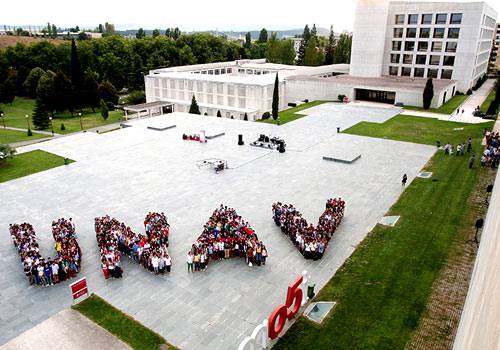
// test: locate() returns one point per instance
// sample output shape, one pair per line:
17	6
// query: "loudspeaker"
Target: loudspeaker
240	140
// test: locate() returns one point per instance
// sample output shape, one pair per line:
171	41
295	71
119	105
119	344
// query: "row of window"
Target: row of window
423	59
427	18
453	33
421	72
423	46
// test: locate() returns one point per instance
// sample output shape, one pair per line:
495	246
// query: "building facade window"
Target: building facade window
439	33
406	71
425	32
396	46
411	32
437	46
413	19
441	18
456	18
393	70
395	58
423	46
453	33
409	45
398	32
435	60
448	60
408	59
419	72
426	18
432	73
446	73
451	46
400	19
421	59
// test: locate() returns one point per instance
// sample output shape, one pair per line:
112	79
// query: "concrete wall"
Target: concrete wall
370	25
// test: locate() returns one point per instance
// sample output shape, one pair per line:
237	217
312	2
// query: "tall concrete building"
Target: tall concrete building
494	66
442	40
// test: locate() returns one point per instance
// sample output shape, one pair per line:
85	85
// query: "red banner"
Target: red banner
79	288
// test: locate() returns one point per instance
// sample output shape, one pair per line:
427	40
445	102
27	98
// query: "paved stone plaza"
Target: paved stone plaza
129	172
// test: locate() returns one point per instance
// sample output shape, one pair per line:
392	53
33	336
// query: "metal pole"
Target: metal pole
81	124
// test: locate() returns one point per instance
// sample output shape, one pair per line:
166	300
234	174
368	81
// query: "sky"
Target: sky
188	15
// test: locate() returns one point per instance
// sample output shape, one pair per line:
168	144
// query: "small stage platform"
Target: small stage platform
161	128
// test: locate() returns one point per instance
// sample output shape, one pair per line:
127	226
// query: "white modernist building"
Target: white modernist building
232	88
397	46
443	40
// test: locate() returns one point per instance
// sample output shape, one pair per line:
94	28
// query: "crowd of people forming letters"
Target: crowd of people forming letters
150	250
226	235
49	271
311	241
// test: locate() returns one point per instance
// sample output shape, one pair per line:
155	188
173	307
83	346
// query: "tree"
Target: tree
194	109
314	32
107	92
245	117
104	110
342	52
186	56
248	41
90	92
428	94
64	97
140	34
31	82
313	55
45	91
6	152
219	115
276	98
82	36
302	53
287	52
7	91
493	107
135	77
263	35
330	47
54	31
76	68
273	49
40	115
306	34
156	33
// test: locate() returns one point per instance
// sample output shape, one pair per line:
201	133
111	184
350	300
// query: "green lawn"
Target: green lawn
382	289
10	136
486	104
15	116
418	130
449	107
28	163
290	114
121	325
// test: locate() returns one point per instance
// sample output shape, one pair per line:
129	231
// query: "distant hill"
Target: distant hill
236	34
12	40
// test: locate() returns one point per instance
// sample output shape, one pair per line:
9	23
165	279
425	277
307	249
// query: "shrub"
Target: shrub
245	117
469	92
219	115
306	100
458	93
63	127
266	115
110	105
291	104
136	97
104	110
341	97
6	152
29	132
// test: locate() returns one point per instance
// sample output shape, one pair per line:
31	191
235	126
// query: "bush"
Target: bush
6	152
63	127
29	132
306	100
136	97
291	104
266	115
458	93
110	105
469	92
341	97
104	110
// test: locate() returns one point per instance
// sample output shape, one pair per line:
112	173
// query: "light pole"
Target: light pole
28	121
3	120
80	115
51	125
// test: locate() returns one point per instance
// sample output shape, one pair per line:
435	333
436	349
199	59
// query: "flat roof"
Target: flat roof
382	83
145	106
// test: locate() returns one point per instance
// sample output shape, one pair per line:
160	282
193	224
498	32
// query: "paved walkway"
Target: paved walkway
480	323
34	131
470	104
67	329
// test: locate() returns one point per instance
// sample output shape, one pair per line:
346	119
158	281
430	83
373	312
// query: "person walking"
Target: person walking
405	178
469	145
472	160
189	260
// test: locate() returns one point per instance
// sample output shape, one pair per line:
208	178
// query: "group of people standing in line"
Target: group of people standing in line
150	250
311	241
491	154
47	272
226	235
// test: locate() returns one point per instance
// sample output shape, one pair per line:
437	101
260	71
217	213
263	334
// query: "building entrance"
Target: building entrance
376	96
